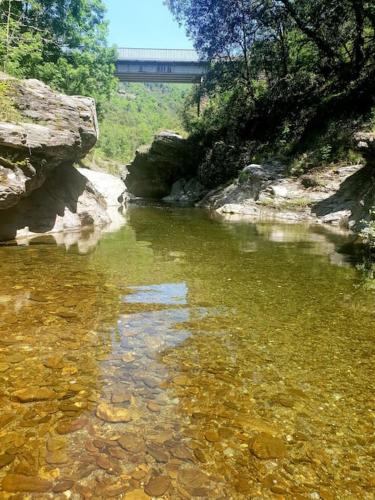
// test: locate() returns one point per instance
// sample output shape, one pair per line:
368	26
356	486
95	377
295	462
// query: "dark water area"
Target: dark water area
187	357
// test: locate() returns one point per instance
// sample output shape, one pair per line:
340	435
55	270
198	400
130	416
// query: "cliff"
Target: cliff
157	167
42	134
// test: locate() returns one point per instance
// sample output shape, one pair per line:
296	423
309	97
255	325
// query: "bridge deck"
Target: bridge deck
159	65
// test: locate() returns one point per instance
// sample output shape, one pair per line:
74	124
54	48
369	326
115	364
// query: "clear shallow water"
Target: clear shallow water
238	358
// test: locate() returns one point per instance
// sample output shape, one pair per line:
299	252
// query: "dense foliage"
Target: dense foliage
282	68
135	115
61	42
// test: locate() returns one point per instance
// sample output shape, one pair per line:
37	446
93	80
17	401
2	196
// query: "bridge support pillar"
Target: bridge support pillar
199	104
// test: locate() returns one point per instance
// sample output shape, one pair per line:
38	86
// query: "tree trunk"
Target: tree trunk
359	42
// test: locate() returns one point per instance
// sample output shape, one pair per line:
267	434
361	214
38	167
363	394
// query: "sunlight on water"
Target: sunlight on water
187	357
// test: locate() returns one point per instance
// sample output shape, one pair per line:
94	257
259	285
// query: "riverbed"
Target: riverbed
187	357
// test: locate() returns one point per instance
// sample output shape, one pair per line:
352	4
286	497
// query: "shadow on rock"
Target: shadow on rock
353	200
66	200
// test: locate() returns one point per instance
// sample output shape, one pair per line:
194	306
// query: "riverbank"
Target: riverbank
340	195
336	196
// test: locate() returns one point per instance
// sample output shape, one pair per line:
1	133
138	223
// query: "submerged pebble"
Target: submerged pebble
265	446
14	483
113	414
157	486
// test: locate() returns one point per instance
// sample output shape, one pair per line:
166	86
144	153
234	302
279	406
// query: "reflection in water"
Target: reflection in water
85	240
184	357
167	293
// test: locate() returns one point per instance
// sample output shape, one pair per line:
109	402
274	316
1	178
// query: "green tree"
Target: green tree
298	48
281	72
62	42
269	35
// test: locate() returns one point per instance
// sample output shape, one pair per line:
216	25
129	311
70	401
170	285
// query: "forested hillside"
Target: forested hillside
133	116
290	79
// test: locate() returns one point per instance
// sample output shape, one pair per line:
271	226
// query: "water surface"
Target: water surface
239	359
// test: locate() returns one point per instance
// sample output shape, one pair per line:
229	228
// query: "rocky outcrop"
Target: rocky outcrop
110	187
52	130
340	196
40	190
186	191
67	201
114	192
157	167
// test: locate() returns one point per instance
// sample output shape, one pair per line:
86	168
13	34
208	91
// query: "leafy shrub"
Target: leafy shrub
243	177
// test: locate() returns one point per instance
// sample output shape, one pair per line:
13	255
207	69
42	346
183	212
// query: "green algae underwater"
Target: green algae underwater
187	357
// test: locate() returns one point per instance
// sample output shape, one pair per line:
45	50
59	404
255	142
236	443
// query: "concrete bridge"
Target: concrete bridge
159	65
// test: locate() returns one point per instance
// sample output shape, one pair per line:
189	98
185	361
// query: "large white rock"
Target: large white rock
110	187
67	201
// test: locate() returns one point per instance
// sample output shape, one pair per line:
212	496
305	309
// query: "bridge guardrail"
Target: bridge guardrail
166	55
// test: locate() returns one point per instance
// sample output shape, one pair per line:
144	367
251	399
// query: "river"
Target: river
187	357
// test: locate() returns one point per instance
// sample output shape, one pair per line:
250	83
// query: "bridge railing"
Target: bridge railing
165	55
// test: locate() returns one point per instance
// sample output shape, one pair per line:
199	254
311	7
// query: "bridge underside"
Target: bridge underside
160	71
148	78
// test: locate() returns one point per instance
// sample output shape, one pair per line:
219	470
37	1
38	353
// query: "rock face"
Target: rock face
340	197
186	191
66	201
53	130
40	190
110	187
157	167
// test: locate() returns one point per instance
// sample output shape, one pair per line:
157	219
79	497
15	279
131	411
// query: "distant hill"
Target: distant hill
135	115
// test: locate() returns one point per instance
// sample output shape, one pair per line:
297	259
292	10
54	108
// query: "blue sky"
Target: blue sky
144	23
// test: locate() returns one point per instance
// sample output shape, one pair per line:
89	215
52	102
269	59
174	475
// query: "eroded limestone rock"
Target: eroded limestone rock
157	167
66	201
40	190
53	130
110	187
